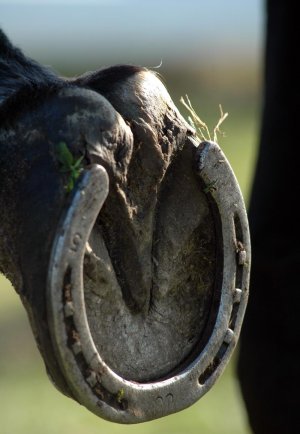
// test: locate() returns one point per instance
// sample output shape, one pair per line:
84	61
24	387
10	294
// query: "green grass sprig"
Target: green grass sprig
69	165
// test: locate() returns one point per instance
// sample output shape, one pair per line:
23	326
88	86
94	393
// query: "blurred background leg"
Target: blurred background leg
269	353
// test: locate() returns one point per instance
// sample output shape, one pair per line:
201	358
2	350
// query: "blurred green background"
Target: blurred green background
210	50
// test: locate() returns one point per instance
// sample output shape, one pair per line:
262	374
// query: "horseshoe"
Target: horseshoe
92	381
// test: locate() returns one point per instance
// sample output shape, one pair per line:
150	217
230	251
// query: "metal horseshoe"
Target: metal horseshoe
92	381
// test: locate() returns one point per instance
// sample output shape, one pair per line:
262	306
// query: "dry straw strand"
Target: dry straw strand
199	125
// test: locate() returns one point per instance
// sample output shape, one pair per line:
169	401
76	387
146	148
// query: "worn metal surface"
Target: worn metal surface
93	382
